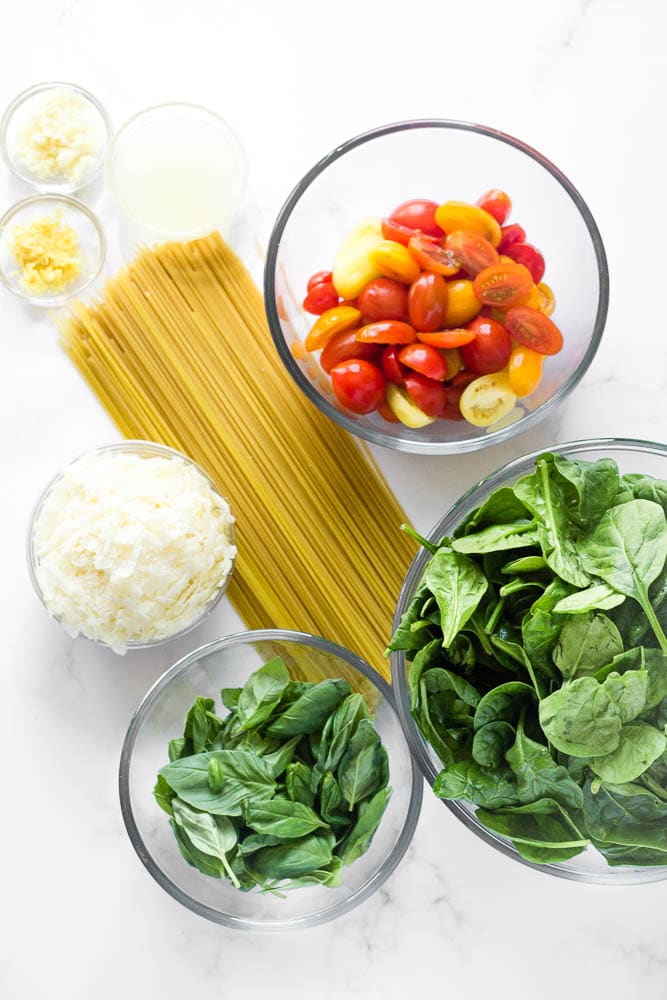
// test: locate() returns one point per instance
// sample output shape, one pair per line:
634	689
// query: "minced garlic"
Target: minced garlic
61	138
47	252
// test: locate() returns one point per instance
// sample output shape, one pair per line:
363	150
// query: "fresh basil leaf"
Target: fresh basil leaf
205	863
640	745
281	817
332	804
201	724
358	839
360	769
585	643
331	876
278	759
299	857
212	835
180	747
164	795
246	775
311	710
339	730
261	694
255	841
230	697
298	784
458	586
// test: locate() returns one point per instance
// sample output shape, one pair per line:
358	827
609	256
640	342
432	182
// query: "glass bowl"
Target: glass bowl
631	456
28	104
374	172
229	662
144	449
92	245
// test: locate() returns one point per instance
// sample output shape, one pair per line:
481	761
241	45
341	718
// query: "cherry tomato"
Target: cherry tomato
524	370
331	322
547	299
432	256
320	297
502	284
391	366
455	390
388	332
384	298
429	395
533	298
424	359
358	385
400	234
387	414
417	214
472	250
496	203
511	234
319	278
462	304
535	330
491	348
343	347
404	408
352	267
447	338
454	361
427	302
455	215
393	260
524	253
487	399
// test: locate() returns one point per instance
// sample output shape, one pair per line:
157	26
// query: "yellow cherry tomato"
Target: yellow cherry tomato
462	303
455	215
547	299
395	261
524	370
352	268
404	409
454	361
504	259
331	322
533	298
487	399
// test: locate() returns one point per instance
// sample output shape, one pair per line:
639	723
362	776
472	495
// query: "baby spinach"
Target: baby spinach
640	745
585	643
458	586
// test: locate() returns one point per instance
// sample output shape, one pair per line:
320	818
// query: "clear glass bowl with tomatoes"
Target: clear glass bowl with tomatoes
433	330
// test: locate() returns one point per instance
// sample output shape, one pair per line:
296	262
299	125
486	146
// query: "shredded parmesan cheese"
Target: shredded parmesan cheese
62	138
47	251
131	548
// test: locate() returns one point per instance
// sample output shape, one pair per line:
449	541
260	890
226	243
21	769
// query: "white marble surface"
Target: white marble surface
582	80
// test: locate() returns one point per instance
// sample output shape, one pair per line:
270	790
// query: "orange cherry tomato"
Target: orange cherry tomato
533	298
331	322
384	298
432	256
533	329
424	359
447	338
547	299
462	303
344	346
490	349
393	260
496	203
387	332
524	370
502	284
359	385
474	251
455	215
427	302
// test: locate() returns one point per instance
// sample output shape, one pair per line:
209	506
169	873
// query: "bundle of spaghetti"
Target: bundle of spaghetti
178	351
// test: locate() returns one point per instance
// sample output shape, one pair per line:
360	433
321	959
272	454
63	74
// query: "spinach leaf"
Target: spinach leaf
640	745
299	784
598	596
261	694
541	625
491	743
360	769
498	537
501	507
339	730
311	710
585	643
626	814
504	703
298	857
595	484
407	636
212	835
426	657
358	839
458	586
525	564
647	488
490	787
541	831
281	817
538	776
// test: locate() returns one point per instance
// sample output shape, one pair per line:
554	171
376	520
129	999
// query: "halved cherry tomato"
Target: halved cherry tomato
547	299
455	389
455	215
424	359
427	302
331	322
320	297
454	362
429	395
384	298
391	365
358	385
524	253
400	234
502	284
491	348
462	304
533	298
352	268
390	332
533	329
404	408
447	338
472	250
418	214
511	234
393	260
432	256
524	370
343	347
487	399
496	203
386	414
319	278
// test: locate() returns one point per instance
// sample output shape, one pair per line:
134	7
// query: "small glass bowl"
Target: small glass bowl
18	115
371	174
644	457
145	449
92	245
229	662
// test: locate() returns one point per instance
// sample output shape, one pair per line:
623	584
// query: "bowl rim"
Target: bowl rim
46	186
415	740
133	446
65	200
433	447
380	876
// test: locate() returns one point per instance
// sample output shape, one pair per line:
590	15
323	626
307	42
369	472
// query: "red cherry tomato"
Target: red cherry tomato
472	250
432	255
321	297
424	359
447	338
502	285
397	233
384	298
455	389
418	214
318	278
391	365
390	332
358	385
526	254
533	329
427	302
429	395
509	235
496	203
490	350
345	346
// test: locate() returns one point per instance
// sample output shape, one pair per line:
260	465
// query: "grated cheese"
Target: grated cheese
131	548
61	138
47	251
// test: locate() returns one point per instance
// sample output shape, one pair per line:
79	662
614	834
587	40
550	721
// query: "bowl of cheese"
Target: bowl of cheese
131	544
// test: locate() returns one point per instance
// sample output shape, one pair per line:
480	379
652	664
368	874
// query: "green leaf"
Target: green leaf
501	507
255	841
491	743
298	783
425	658
540	831
626	814
339	730
407	637
538	776
540	627
595	484
206	864
299	857
525	564
504	703
498	538
586	642
180	747
458	586
598	596
278	759
212	835
359	773
201	725
245	775
311	710
332	804
492	787
359	838
652	661
640	745
230	697
281	817
164	795
261	694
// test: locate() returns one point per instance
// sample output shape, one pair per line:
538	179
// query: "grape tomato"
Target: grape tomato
321	297
352	267
509	235
405	409
432	256
496	203
455	215
524	370
473	251
393	260
427	302
491	348
447	338
358	385
331	322
429	395
418	214
424	359
319	278
344	346
391	366
502	284
387	332
524	253
533	329
384	298
462	303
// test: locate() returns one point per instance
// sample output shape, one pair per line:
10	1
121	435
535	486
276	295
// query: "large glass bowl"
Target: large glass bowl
228	662
631	456
371	174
